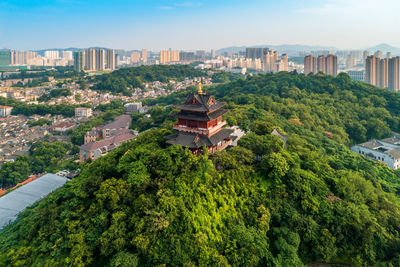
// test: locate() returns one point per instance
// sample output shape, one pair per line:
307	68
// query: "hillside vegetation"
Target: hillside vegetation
123	80
147	204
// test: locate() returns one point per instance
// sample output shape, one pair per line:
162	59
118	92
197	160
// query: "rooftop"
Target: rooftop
122	121
389	146
18	200
63	125
200	103
193	140
91	146
5	107
394	140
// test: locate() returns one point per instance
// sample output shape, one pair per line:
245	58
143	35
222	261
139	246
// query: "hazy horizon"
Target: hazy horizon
192	25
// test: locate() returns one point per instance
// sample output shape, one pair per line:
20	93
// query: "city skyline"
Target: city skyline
191	25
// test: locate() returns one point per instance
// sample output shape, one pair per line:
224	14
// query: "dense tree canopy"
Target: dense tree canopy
123	80
258	204
43	156
54	94
20	108
57	72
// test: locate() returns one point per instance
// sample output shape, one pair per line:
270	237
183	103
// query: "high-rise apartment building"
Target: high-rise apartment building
18	58
5	58
382	75
378	54
186	56
256	52
144	55
29	55
201	54
79	60
117	60
383	72
51	54
365	55
212	53
135	57
67	55
174	56
394	74
371	70
164	56
321	66
310	64
100	60
331	65
349	61
90	59
270	61
110	59
326	64
167	56
283	64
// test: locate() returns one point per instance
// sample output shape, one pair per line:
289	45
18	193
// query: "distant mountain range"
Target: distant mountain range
385	48
293	50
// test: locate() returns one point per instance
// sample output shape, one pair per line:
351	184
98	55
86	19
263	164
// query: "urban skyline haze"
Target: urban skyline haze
203	24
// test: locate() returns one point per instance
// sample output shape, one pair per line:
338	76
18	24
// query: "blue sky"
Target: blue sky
202	24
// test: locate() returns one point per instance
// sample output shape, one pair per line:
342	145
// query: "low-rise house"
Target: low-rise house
94	150
283	137
120	122
386	150
133	107
92	135
83	112
5	111
236	135
111	135
62	127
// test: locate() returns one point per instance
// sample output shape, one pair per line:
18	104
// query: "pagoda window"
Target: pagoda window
202	124
182	122
191	123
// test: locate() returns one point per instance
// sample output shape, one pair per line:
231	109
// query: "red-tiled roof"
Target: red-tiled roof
63	125
91	146
5	107
2	191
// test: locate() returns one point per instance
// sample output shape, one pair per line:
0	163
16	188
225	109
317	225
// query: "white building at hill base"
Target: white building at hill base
386	150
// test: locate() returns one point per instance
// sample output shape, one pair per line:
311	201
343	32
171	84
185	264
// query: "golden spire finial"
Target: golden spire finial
200	92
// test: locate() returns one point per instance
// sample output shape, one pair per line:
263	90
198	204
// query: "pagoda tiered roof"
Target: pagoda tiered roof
200	116
200	103
192	140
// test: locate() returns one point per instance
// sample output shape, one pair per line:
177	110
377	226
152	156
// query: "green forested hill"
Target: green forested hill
315	201
120	81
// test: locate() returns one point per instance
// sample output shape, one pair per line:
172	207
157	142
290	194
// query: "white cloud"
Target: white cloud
188	4
165	7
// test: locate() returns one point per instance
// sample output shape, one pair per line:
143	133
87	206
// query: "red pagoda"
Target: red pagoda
200	124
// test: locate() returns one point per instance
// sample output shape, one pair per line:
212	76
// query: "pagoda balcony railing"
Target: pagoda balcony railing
198	130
